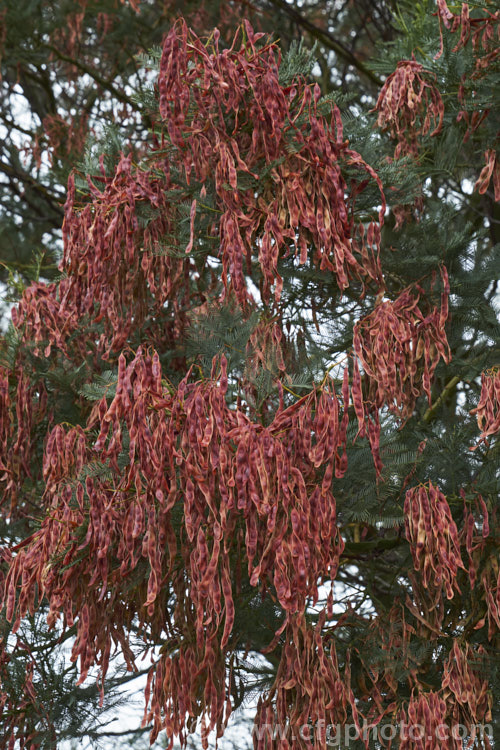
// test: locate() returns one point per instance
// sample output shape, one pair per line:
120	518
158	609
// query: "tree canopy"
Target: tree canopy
250	389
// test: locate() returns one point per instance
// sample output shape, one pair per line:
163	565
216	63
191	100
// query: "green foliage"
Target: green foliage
104	386
223	330
298	61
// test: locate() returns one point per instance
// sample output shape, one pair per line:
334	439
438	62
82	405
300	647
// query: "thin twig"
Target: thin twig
326	38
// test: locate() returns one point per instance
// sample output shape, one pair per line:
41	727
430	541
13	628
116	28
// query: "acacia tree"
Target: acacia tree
230	428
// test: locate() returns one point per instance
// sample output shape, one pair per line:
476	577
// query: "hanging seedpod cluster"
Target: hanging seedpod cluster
243	119
410	106
425	722
116	272
484	29
433	538
467	690
22	408
476	530
224	471
399	348
312	694
46	315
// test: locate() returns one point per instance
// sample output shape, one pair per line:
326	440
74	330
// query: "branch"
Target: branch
373	545
96	736
140	730
445	392
102	82
327	39
29	180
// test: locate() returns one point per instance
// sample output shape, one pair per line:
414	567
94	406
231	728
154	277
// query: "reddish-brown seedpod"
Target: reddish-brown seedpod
490	581
490	171
475	533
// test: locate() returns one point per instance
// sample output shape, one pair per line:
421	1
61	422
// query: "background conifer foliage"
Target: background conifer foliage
250	396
